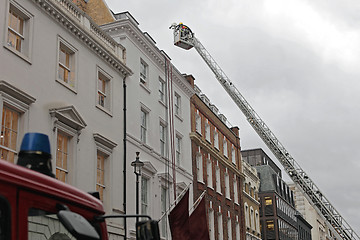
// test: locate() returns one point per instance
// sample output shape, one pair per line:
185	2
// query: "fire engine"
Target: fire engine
35	205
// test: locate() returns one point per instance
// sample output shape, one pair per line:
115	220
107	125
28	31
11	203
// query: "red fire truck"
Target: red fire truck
36	206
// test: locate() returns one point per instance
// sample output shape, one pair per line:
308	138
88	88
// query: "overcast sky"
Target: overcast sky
295	61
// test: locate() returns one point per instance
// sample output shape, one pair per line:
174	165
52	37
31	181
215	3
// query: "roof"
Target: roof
40	183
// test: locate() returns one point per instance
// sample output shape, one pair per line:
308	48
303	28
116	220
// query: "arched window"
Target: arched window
247	218
252	219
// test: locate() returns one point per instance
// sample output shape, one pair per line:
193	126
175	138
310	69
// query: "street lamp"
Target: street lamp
137	164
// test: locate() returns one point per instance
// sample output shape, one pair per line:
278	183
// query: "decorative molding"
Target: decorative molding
16	93
128	27
82	27
68	116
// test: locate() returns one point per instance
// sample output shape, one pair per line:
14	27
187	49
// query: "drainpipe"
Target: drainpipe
124	144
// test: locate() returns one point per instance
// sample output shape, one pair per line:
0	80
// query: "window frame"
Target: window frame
197	122
209	172
104	147
178	148
225	147
18	101
216	139
68	156
177	105
207	130
163	138
73	61
162	91
107	81
5	128
227	184
144	72
218	179
144	123
145	203
28	25
68	121
199	167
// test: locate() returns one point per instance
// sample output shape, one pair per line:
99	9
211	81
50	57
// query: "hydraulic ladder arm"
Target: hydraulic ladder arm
185	38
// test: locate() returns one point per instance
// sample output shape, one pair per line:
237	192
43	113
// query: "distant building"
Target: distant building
277	206
251	202
320	230
257	157
304	228
217	168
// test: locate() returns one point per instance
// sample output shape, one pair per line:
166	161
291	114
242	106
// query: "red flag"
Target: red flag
179	219
198	222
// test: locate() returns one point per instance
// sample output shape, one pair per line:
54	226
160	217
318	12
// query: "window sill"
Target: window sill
145	87
19	54
105	110
66	85
179	117
162	103
212	188
199	181
219	193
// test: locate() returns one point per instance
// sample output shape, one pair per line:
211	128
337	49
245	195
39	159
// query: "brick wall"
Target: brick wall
97	10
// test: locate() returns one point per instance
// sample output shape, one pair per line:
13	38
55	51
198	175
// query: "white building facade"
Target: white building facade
320	230
158	124
251	202
61	75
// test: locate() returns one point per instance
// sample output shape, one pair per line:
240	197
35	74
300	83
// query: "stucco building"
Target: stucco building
217	168
251	202
61	75
320	230
157	123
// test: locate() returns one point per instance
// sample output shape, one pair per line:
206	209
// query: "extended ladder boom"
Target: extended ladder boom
184	38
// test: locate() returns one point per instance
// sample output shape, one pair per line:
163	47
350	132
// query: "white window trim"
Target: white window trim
109	79
216	139
220	226
74	66
218	179
207	131
198	122
163	92
225	147
227	185
178	105
28	27
209	172
179	137
165	140
105	147
199	167
233	155
72	127
19	101
146	110
144	79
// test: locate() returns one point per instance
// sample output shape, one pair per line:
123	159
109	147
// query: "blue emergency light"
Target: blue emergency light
35	153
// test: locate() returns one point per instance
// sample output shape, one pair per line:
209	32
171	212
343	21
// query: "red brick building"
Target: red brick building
217	169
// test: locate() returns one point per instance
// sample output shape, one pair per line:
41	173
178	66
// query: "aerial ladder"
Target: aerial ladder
185	38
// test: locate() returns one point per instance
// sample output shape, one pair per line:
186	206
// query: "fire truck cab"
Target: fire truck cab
36	206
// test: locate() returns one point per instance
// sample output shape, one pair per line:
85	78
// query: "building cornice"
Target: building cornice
128	28
82	27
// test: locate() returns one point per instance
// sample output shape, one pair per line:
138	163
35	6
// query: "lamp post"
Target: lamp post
137	164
